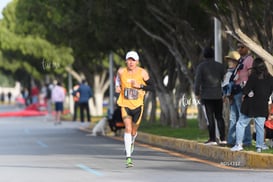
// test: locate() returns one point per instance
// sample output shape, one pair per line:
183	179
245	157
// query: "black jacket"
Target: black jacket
257	106
208	78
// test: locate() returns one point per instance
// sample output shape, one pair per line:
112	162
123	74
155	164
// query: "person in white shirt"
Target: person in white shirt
58	97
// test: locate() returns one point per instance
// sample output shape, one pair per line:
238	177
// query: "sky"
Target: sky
3	4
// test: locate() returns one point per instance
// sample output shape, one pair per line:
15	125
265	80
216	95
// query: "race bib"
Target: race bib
131	93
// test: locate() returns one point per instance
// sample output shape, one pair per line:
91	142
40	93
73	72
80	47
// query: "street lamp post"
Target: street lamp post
217	40
111	77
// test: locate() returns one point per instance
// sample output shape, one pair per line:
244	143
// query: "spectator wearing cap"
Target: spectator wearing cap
208	78
239	77
132	82
232	60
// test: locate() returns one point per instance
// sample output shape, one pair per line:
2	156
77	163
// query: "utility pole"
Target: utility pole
217	54
71	103
111	77
218	41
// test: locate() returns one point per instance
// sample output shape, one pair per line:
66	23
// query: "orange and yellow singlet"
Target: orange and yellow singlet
131	97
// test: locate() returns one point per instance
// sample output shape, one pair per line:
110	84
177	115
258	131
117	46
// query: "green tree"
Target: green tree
247	21
75	24
169	35
29	52
174	25
93	28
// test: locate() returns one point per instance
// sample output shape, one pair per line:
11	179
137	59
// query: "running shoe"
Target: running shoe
129	162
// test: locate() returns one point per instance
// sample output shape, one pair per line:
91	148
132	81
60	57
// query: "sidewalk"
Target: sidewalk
223	155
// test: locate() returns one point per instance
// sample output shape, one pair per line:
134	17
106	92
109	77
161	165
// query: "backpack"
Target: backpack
237	88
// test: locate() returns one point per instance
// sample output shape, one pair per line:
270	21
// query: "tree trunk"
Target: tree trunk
73	73
150	107
168	115
252	45
101	84
182	109
96	105
202	118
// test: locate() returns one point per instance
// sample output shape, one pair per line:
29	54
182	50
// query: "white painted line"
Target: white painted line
90	170
42	144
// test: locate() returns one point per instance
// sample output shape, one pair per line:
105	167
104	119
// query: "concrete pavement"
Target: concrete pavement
223	155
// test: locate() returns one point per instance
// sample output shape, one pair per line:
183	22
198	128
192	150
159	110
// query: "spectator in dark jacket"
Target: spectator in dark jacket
207	87
256	94
85	92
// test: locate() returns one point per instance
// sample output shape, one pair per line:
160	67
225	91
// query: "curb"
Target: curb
247	159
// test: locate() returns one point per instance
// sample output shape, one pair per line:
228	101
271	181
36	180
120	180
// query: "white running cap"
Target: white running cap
133	55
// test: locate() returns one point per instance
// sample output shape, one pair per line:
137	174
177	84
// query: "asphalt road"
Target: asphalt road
35	150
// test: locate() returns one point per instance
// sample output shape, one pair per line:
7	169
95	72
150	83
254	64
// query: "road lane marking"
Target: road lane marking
42	144
88	169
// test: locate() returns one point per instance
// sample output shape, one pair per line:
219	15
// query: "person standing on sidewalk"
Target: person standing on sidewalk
232	60
208	79
131	84
34	92
58	97
240	77
256	94
48	95
85	92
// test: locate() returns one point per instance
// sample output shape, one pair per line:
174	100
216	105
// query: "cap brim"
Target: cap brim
131	58
230	58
